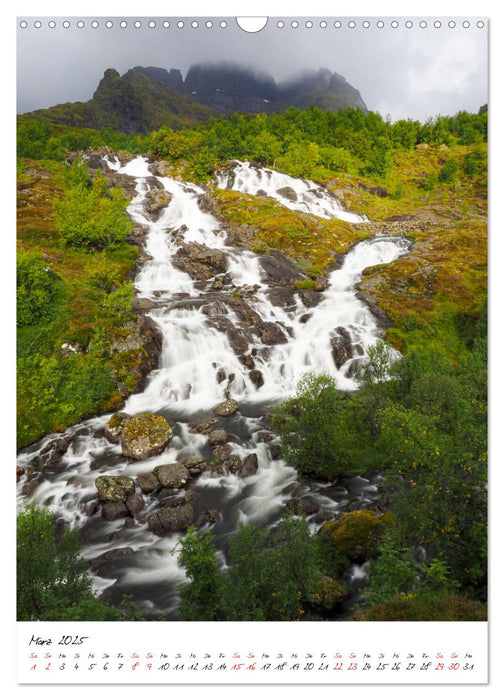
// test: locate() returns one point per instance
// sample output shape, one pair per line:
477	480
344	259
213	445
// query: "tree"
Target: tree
313	427
52	581
202	598
373	376
268	575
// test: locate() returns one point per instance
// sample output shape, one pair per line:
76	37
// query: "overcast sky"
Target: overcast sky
404	72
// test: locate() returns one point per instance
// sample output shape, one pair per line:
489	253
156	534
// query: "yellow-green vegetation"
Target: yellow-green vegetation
311	241
67	329
356	534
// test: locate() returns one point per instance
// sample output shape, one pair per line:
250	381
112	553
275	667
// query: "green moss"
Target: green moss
356	534
426	608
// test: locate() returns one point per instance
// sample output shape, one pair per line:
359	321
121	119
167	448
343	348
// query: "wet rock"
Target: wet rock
203	428
256	376
281	296
29	487
50	455
195	465
279	270
261	193
226	408
113	555
233	463
305	505
114	511
166	520
272	334
210	517
114	426
249	466
222	452
199	261
135	504
171	498
145	435
92	508
275	451
148	482
341	346
309	297
220	376
172	475
383	320
114	488
155	201
218	437
288	193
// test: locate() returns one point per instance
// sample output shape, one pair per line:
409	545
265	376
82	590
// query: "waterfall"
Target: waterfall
200	366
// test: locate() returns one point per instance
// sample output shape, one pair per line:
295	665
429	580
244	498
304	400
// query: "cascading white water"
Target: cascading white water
300	195
187	384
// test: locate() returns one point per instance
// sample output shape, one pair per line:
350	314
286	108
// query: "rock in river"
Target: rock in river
166	520
115	488
172	475
145	435
226	408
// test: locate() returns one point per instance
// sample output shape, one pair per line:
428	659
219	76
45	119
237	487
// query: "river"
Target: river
199	367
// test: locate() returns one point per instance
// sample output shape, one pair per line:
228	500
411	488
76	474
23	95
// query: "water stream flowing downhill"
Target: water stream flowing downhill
207	354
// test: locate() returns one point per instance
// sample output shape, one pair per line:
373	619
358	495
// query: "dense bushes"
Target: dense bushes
37	288
268	577
426	426
52	579
90	215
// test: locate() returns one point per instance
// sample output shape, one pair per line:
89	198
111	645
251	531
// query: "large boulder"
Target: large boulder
356	534
145	435
288	193
199	261
166	520
115	489
155	200
172	476
114	426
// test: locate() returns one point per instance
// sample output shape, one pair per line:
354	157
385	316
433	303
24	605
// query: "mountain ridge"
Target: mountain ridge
145	98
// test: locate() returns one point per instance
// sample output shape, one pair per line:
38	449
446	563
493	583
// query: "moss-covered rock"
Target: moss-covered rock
114	426
356	534
115	488
145	435
329	593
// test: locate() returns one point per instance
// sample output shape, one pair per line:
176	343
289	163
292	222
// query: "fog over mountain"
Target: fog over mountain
407	73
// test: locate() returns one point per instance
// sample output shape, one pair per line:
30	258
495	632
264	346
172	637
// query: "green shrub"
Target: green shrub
36	288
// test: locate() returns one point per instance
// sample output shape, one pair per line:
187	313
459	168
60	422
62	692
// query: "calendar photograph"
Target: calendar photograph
251	280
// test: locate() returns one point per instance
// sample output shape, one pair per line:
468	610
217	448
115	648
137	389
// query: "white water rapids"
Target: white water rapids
188	384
